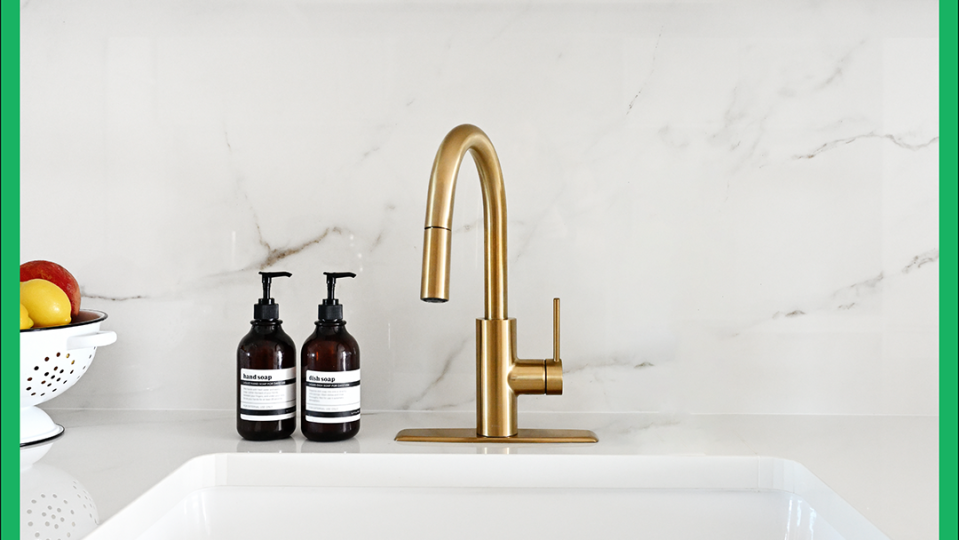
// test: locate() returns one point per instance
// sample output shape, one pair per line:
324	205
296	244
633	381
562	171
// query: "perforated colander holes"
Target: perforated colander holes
53	517
85	498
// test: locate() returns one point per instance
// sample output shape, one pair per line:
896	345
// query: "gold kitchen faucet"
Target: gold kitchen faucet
500	375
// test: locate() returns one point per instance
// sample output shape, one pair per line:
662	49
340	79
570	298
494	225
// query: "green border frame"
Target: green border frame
948	277
10	251
10	265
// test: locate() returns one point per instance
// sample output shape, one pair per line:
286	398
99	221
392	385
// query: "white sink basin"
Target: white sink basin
237	496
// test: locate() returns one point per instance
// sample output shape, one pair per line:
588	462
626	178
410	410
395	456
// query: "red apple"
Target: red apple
57	275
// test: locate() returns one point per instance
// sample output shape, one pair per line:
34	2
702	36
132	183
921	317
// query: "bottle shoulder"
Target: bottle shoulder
330	348
335	333
327	345
266	334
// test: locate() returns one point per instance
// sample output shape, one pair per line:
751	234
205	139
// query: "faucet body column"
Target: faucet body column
495	400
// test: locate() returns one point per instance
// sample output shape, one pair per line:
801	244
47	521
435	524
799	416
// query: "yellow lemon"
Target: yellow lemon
46	303
25	320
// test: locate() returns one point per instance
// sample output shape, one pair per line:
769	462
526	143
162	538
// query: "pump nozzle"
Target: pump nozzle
266	307
330	309
331	278
267	281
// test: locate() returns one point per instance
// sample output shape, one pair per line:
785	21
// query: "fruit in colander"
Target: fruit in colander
56	274
46	303
25	320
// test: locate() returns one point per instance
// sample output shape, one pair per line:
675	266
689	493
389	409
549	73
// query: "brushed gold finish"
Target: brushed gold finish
467	435
528	377
439	213
500	375
554	378
554	367
436	251
555	329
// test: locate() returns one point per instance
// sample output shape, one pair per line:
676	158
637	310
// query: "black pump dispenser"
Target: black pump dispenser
266	309
331	309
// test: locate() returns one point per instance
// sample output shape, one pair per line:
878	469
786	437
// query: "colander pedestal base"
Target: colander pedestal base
37	427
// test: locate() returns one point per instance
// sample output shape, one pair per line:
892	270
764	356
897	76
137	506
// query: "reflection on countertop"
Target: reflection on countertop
54	505
884	466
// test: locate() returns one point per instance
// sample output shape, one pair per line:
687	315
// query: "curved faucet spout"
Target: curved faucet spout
434	286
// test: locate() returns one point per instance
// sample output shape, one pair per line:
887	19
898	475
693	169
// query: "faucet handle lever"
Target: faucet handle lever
556	330
554	366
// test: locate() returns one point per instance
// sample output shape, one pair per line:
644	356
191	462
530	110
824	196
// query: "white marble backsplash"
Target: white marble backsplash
737	201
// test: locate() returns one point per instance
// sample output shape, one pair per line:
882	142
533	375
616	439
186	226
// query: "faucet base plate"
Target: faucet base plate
469	435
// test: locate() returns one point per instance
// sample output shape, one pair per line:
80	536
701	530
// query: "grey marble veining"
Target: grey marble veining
737	201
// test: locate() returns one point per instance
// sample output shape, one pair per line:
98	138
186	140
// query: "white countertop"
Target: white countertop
886	467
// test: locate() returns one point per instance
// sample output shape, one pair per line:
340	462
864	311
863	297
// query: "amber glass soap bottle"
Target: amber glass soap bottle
266	373
330	378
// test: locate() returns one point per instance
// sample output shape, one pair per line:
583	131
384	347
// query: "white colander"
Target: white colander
51	361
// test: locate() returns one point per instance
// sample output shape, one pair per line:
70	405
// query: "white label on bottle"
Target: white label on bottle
267	394
332	397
